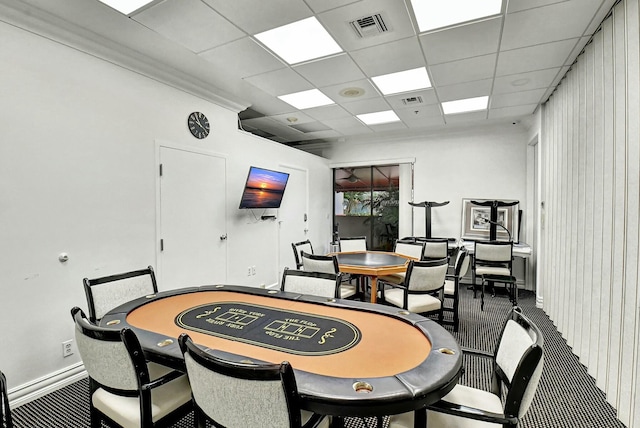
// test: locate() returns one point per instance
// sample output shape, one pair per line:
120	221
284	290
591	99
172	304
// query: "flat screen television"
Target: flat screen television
264	188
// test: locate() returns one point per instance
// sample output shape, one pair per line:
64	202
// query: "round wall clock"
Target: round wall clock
198	125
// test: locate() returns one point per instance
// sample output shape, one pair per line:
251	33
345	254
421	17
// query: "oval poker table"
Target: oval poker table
350	358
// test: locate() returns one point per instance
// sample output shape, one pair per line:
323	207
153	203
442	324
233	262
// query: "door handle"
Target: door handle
223	237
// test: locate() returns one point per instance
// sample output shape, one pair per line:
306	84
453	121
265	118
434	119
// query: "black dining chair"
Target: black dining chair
235	394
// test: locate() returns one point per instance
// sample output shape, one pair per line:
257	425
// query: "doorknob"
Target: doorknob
223	237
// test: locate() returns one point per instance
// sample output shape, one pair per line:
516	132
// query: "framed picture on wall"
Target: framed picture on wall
475	221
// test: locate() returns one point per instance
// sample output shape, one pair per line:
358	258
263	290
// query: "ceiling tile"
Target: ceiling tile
427	96
367	106
396	18
390	57
517	98
280	82
465	41
190	23
330	71
419	112
344	124
391	126
254	59
516	111
257	16
423	122
560	21
333	91
324	5
460	91
299	117
524	81
465	70
533	58
330	112
518	5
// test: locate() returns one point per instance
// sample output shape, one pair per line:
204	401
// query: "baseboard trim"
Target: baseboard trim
37	388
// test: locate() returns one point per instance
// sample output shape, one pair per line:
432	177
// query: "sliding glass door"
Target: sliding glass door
366	204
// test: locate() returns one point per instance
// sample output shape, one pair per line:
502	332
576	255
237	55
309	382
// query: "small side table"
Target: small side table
509	283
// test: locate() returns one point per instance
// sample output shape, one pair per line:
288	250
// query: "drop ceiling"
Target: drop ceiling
516	58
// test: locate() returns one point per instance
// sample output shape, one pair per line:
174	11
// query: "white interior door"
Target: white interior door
292	217
192	219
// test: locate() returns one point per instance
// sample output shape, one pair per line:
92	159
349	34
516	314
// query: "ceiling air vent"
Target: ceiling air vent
369	26
410	101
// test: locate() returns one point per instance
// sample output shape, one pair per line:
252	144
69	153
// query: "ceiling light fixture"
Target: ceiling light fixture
126	6
379	117
432	14
465	105
300	41
403	81
306	99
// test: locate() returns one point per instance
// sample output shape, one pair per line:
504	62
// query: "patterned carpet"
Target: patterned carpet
566	398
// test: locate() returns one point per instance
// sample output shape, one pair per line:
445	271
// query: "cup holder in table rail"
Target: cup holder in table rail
220	286
150	296
113	322
273	291
404	313
447	351
362	387
165	342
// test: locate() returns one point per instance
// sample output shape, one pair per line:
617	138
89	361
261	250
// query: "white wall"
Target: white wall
78	174
484	162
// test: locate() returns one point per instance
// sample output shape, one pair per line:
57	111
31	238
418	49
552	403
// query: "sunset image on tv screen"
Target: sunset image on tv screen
264	188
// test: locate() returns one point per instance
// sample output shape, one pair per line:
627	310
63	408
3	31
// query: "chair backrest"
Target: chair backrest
353	244
426	276
414	250
5	411
318	263
241	394
518	363
112	358
493	251
314	283
108	292
435	248
462	263
298	248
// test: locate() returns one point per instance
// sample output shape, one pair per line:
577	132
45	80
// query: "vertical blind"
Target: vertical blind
591	189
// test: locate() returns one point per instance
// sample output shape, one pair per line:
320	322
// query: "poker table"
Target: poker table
372	264
350	358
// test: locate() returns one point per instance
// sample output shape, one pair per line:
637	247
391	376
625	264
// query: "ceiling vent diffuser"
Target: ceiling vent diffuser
369	26
410	101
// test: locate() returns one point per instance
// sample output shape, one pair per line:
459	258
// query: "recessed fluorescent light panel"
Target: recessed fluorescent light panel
306	99
465	105
432	14
300	41
378	117
403	81
126	6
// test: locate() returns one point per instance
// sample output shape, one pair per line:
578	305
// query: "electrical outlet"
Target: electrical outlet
253	270
249	271
67	348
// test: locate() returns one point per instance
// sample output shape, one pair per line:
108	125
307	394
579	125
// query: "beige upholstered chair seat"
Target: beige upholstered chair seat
418	303
460	394
126	410
492	270
348	290
395	278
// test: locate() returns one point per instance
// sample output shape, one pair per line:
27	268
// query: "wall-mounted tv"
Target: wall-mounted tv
264	188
